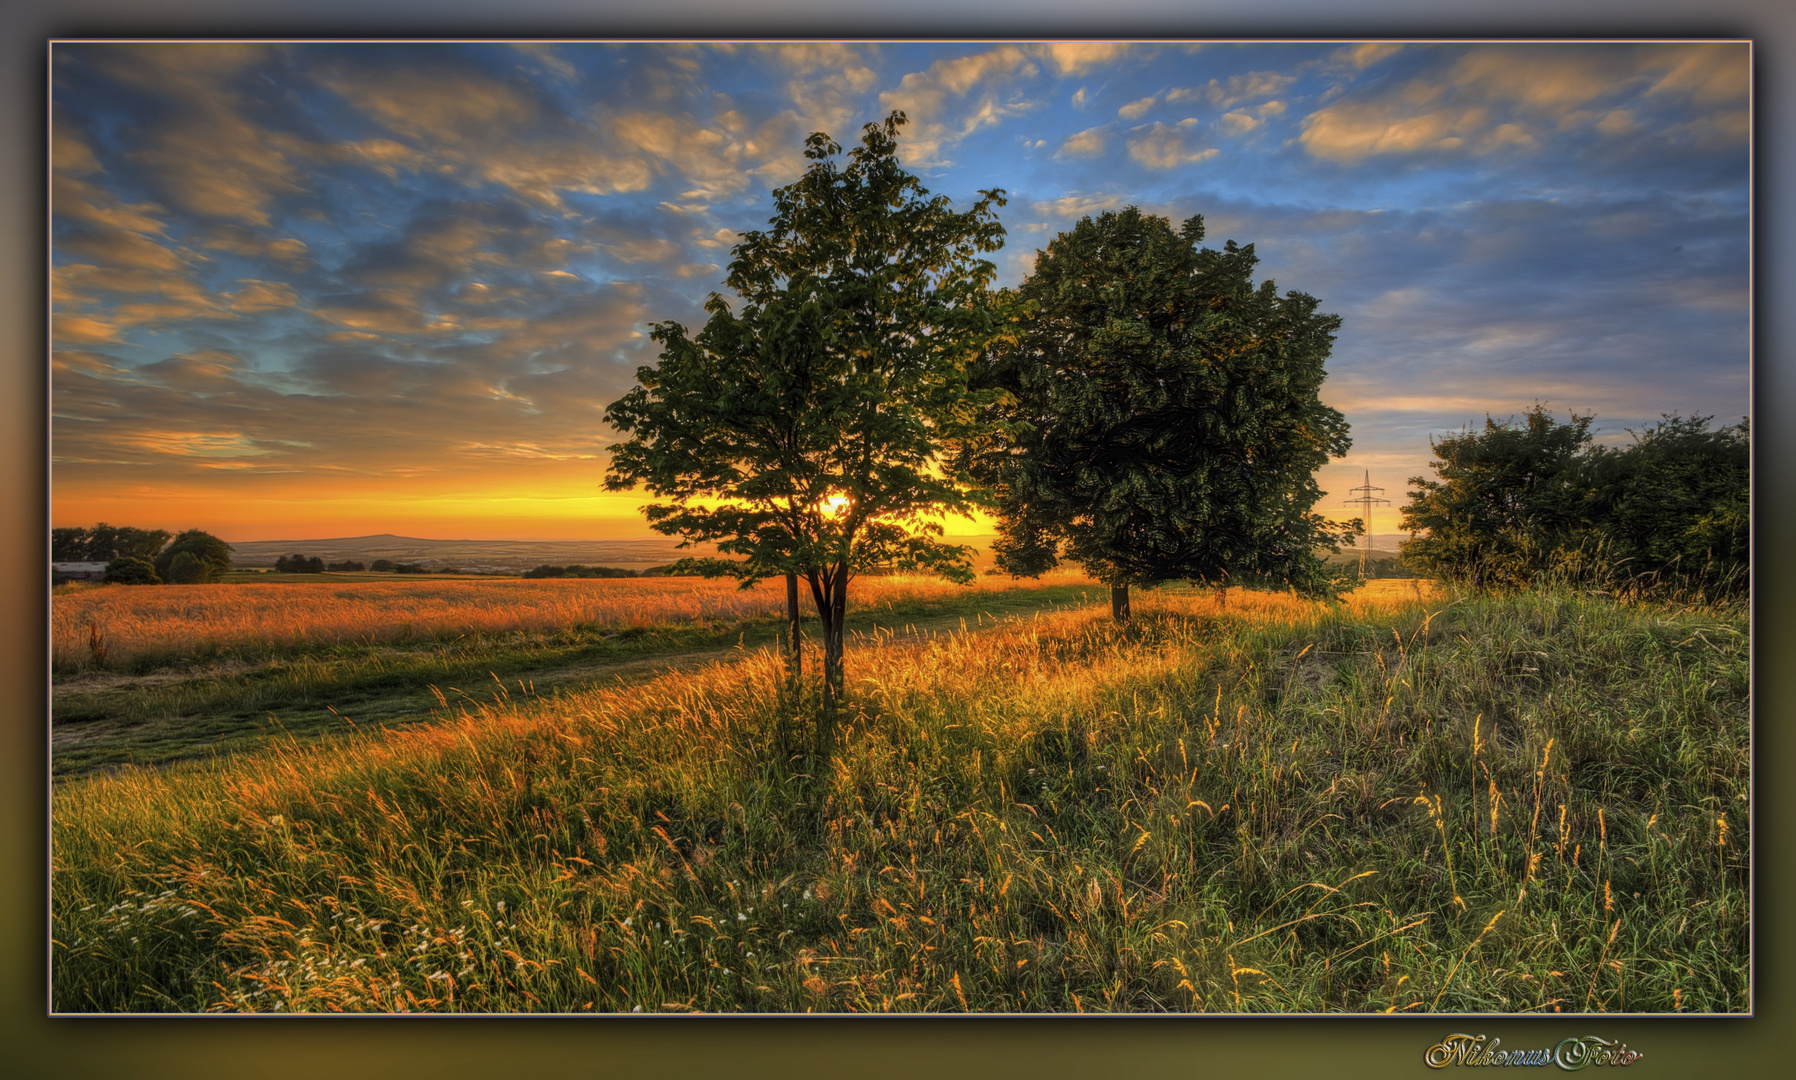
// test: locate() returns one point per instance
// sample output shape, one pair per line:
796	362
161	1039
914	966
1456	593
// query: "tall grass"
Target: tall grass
1396	804
122	625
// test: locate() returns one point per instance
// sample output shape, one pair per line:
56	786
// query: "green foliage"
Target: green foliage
578	571
211	555
185	568
802	432
104	542
384	566
68	545
1519	501
347	566
298	564
1676	505
1507	498
1162	417
130	570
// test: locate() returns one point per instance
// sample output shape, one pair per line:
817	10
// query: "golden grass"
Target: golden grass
119	624
1251	804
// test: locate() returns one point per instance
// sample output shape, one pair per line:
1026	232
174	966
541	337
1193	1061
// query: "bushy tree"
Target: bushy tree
1505	500
130	570
1162	417
299	564
1676	504
804	432
212	555
1523	499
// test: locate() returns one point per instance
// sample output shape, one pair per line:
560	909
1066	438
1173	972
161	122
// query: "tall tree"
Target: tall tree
1161	417
1506	498
805	433
104	542
206	558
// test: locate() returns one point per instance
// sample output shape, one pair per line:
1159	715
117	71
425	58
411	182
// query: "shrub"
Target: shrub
131	570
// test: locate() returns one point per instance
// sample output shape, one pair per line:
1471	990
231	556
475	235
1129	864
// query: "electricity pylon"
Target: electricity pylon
1366	501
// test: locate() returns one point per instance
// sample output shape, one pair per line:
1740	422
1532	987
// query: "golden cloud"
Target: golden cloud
1087	143
1078	57
258	296
1167	146
928	97
1509	98
1135	110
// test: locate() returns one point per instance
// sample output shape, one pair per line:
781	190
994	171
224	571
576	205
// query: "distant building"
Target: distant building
80	571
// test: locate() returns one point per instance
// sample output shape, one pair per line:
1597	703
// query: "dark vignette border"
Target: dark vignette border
1323	1048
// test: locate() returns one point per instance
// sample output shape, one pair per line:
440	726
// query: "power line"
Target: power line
1366	501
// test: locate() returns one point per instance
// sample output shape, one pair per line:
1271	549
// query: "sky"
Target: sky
308	290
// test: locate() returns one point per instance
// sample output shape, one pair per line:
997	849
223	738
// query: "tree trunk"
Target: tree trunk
794	653
832	644
830	590
1222	597
1119	603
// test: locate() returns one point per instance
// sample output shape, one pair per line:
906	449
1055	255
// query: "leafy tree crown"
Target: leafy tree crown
1161	416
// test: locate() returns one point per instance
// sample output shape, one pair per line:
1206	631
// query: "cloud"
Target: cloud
82	329
711	160
119	248
1087	143
825	83
1077	205
941	105
1349	132
385	311
1365	54
259	296
1075	58
1242	121
1493	98
1166	146
1235	89
94	303
203	369
1710	74
548	58
204	155
484	129
74	198
253	245
1135	110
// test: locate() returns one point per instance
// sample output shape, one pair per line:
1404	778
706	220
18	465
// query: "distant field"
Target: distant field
123	625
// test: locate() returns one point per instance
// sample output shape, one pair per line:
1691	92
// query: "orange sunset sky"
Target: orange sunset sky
312	290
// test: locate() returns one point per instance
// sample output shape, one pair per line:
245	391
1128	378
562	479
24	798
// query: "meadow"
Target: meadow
137	628
1403	803
175	673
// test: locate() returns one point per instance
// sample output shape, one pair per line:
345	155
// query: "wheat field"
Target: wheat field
119	624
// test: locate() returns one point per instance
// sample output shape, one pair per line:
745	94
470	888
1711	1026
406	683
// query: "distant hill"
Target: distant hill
517	555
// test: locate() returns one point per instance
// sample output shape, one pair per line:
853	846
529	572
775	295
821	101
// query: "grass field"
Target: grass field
217	669
1402	803
138	628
